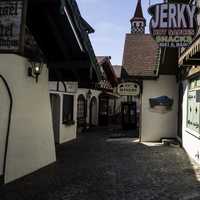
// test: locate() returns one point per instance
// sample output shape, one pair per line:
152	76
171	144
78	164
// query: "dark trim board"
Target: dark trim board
193	135
1	180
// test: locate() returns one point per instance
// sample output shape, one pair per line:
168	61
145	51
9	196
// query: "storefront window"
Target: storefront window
68	108
193	109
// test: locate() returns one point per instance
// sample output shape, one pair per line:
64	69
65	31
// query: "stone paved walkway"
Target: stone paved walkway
98	168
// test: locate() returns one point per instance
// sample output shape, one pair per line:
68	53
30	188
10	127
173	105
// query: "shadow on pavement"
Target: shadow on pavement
96	167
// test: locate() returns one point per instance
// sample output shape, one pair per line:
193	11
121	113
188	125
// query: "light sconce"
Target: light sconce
35	69
89	94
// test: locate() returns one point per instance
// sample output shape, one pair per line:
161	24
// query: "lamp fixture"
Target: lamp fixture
35	69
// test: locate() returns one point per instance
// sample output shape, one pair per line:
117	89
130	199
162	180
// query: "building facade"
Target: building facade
152	66
53	46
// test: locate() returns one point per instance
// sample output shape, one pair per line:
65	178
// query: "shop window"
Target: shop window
193	107
68	109
81	110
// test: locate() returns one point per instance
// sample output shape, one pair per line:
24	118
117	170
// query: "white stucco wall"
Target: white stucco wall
31	143
66	132
190	140
69	132
156	125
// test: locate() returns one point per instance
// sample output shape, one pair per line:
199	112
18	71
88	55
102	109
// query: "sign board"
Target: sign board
173	25
11	17
71	87
128	89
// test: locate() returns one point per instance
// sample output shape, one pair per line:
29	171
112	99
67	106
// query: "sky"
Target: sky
111	21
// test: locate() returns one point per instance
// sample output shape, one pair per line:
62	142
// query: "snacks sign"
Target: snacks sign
173	25
128	89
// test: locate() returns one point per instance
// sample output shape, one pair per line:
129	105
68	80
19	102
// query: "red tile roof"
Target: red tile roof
140	55
105	62
118	70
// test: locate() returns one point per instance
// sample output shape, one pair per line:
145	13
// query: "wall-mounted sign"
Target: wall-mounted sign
173	25
11	17
128	89
71	87
161	104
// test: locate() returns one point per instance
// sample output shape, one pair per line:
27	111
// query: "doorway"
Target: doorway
55	109
93	112
180	111
81	114
103	110
129	115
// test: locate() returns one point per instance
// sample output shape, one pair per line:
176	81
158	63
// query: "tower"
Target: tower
138	22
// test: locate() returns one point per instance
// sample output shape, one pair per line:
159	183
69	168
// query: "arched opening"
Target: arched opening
81	112
93	112
103	110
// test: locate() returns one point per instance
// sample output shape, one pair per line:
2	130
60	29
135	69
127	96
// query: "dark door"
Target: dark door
180	110
103	110
129	115
93	112
55	109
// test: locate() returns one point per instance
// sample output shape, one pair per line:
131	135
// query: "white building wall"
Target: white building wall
69	132
190	139
31	143
159	125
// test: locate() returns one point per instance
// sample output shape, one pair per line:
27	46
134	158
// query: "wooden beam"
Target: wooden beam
75	64
57	35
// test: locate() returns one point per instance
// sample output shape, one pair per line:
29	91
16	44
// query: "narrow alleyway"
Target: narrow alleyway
96	167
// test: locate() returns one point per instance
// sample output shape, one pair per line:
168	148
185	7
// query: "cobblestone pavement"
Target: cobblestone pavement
98	168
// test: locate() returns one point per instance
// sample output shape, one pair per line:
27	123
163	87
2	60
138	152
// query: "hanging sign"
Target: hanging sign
128	89
11	14
173	25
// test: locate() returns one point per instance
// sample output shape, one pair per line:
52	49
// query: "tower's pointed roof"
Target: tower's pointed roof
138	12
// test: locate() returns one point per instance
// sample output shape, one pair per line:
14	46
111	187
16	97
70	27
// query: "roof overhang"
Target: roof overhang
191	55
62	35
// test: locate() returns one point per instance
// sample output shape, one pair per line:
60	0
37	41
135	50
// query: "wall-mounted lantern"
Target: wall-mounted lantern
35	68
89	94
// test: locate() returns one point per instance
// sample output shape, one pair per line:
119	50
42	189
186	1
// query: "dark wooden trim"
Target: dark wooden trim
23	26
57	86
81	64
1	180
9	121
57	34
64	85
193	135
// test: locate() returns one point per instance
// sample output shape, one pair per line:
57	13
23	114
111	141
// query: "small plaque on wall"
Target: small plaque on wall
11	25
198	96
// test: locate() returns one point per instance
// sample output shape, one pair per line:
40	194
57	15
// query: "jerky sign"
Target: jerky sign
173	25
11	13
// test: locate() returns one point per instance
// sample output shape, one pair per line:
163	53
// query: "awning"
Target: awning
62	35
191	55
